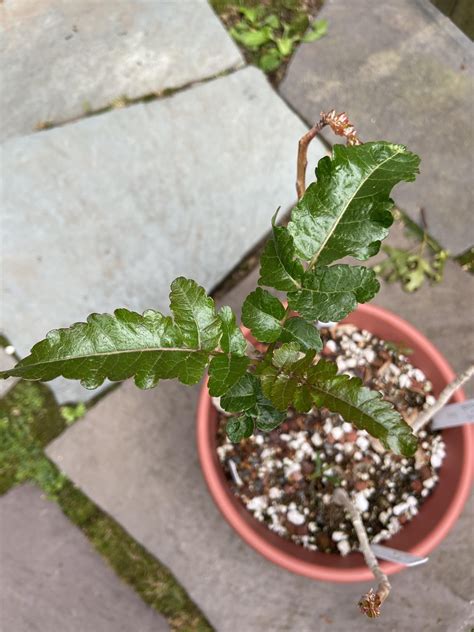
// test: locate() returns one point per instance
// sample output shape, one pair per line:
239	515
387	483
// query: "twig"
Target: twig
340	125
371	602
442	400
303	157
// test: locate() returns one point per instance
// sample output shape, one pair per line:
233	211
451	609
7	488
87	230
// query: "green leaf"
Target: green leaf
298	25
148	347
238	428
232	340
348	210
363	407
286	355
318	29
305	334
285	45
252	38
278	268
270	60
330	293
224	371
262	313
273	21
242	395
195	314
266	416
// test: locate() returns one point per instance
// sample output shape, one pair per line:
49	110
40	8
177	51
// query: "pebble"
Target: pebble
275	492
337	536
344	547
337	432
316	439
363	443
404	381
436	460
295	517
400	508
361	502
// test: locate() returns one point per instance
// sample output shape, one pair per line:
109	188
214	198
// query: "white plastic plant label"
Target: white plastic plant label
399	557
454	415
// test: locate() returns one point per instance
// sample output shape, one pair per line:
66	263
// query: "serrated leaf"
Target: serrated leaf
363	407
283	391
305	334
149	347
278	268
330	293
232	340
302	399
347	211
238	428
262	313
194	314
266	416
224	371
242	396
286	355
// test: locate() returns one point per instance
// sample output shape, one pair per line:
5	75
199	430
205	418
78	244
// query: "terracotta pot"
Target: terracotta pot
420	536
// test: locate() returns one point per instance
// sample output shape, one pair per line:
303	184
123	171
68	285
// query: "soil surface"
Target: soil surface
286	478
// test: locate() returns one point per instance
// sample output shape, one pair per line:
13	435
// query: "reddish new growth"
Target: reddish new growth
340	125
370	604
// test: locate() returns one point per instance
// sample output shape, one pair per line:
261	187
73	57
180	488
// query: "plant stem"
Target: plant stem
443	399
371	602
340	125
302	162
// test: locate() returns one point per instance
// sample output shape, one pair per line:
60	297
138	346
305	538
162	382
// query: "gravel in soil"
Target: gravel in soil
286	478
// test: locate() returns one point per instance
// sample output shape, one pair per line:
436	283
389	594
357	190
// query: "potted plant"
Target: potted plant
346	212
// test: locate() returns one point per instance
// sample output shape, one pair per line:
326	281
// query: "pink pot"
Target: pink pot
420	536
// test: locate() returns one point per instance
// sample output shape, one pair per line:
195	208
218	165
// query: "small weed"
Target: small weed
412	267
269	32
72	412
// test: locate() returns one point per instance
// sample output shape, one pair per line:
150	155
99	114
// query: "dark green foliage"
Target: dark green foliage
346	212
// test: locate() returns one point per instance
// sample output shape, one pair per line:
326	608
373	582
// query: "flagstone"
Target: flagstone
52	580
62	59
106	212
404	73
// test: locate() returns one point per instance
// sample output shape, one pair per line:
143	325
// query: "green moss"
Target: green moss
29	419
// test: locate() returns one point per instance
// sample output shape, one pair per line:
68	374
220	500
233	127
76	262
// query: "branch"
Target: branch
371	602
303	157
340	125
442	400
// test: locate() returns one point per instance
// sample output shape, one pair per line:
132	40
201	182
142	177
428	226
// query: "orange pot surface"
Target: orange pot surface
420	536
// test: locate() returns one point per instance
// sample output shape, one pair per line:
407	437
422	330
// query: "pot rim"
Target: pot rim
223	498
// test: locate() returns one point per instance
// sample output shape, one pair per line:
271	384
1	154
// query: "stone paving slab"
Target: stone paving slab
51	579
62	57
403	72
106	212
134	454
